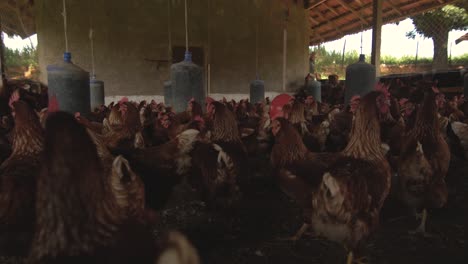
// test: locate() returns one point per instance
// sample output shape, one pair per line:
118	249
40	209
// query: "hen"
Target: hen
18	176
220	165
79	218
342	194
424	162
162	167
461	131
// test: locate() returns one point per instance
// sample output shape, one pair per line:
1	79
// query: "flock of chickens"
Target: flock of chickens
88	189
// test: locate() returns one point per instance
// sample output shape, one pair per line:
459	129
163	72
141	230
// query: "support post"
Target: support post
376	35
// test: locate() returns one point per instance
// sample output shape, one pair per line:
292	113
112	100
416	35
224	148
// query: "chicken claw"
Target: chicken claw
298	234
351	260
421	229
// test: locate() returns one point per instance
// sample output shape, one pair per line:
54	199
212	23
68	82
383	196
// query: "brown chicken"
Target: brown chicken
79	218
178	250
18	175
461	131
123	126
424	162
343	194
163	166
220	165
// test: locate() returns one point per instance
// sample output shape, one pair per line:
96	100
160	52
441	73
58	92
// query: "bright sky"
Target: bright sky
395	42
17	42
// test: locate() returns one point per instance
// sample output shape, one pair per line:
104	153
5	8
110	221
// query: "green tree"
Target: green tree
436	25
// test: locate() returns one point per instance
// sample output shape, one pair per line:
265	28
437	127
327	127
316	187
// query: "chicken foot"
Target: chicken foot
421	229
299	233
352	260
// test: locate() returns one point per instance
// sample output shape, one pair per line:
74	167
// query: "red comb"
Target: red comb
192	100
53	104
77	114
14	97
355	98
403	101
209	100
381	87
123	100
198	118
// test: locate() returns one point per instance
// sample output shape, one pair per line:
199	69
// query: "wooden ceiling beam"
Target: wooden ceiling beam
394	7
356	13
354	26
331	9
316	3
312	20
330	23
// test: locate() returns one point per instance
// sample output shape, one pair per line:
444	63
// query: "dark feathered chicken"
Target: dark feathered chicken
221	164
18	176
162	167
79	217
424	161
347	191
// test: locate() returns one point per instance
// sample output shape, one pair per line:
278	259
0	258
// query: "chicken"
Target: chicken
123	126
162	167
178	250
297	118
6	126
220	165
340	127
18	175
461	131
424	161
343	194
79	219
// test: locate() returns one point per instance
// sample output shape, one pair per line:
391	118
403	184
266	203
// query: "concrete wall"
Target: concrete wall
127	33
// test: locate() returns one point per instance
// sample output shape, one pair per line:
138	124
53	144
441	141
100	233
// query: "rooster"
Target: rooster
18	175
424	161
79	218
343	194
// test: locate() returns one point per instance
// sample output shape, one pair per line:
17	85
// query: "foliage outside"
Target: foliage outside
20	62
333	62
436	25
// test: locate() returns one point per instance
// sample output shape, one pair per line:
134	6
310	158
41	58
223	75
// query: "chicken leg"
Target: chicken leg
421	229
298	234
351	260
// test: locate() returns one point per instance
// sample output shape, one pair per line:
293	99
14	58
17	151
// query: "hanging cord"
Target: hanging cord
64	14
256	50
169	32
91	40
22	24
186	29
362	36
362	32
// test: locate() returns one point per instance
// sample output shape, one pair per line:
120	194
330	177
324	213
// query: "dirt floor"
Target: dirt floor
252	233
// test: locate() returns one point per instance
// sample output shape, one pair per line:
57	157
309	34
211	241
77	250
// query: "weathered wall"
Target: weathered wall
129	32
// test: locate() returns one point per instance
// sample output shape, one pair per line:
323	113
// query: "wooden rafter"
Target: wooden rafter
330	23
316	3
394	7
331	9
356	13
